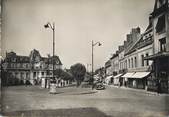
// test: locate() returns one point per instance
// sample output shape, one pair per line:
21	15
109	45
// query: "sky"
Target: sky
77	23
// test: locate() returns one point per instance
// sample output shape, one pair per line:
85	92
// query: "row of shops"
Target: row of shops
142	61
130	79
140	80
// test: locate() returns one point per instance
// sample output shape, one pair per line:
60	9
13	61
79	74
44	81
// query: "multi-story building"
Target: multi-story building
122	67
115	63
31	68
160	58
144	61
128	63
108	71
138	69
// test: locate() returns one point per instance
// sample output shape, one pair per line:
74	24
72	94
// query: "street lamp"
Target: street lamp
48	25
94	44
53	84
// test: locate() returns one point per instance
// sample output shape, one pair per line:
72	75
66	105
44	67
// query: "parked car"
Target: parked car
100	86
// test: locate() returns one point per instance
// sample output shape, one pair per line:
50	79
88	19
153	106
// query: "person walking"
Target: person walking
159	86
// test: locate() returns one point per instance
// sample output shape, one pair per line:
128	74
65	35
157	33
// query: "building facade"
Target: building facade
144	58
30	68
138	69
160	58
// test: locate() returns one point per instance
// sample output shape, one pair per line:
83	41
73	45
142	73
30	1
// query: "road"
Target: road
82	102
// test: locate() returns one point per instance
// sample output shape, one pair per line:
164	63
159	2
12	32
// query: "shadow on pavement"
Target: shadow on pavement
84	93
167	104
75	112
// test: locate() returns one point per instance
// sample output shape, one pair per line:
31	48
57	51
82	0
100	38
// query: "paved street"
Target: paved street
83	102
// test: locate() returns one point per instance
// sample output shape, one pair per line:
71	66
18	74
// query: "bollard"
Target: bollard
52	88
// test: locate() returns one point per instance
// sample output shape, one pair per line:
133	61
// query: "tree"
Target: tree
66	76
59	73
78	71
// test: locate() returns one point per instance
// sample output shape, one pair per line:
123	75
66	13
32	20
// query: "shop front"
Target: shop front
127	82
161	71
139	80
117	80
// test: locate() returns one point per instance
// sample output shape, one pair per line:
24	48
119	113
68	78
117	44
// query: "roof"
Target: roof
12	57
140	44
56	60
107	64
159	7
114	56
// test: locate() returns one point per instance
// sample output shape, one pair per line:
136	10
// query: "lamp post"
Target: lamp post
48	25
94	44
52	26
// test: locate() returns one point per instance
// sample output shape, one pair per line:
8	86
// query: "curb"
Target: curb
139	90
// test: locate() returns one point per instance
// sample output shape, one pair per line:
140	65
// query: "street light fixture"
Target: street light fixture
94	44
52	26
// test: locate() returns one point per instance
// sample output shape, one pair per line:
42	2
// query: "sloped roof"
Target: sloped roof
56	60
14	58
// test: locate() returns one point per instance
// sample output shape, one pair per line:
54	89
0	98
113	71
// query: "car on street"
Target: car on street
100	86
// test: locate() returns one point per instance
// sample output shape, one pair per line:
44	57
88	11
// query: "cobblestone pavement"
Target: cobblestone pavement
83	102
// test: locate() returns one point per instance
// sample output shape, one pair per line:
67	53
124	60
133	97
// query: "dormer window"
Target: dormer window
160	27
160	3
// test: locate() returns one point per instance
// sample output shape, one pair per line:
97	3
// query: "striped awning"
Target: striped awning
128	75
140	75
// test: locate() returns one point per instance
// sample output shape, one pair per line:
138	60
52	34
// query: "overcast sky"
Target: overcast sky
77	22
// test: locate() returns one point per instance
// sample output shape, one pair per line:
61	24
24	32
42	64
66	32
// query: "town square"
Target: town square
69	58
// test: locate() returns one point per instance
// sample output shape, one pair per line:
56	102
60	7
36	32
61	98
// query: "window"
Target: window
142	60
12	65
27	65
135	61
42	73
147	62
27	75
129	62
34	74
132	63
162	44
160	27
126	64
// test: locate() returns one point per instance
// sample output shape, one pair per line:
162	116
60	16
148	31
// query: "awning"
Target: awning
109	77
158	55
128	75
117	76
140	75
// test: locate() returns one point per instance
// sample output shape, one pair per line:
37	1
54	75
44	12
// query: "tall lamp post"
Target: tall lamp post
53	84
48	25
94	44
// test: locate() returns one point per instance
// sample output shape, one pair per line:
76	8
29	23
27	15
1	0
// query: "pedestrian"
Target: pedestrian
159	86
93	84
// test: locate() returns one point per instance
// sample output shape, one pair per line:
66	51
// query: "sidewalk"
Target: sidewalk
139	90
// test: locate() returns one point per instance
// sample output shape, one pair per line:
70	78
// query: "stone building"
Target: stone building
138	69
128	63
32	68
160	58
